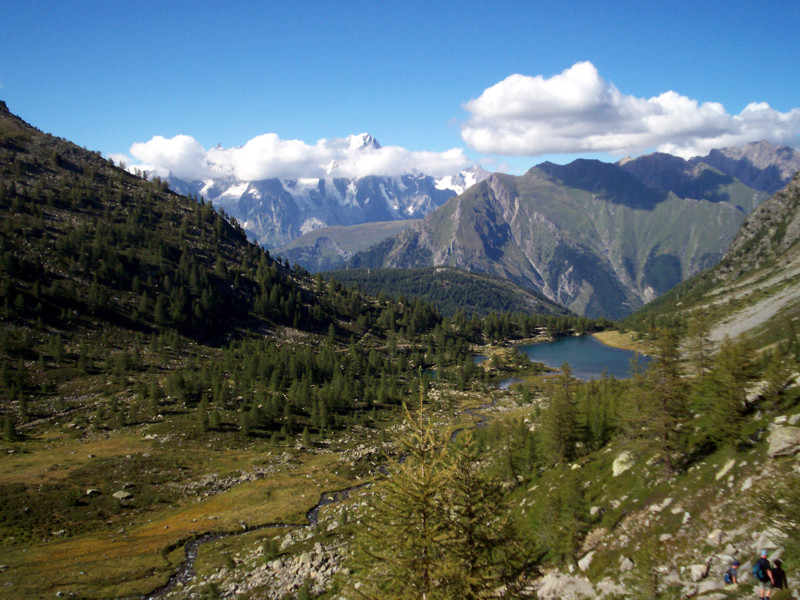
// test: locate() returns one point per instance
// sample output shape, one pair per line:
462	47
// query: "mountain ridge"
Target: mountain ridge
589	235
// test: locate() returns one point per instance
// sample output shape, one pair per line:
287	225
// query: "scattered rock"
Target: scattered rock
122	495
715	537
556	585
698	572
747	484
583	564
784	441
725	469
622	463
625	564
92	492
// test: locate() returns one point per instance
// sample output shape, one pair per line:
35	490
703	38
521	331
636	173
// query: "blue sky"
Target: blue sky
592	79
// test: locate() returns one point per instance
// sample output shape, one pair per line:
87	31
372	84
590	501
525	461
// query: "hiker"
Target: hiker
779	575
732	574
763	572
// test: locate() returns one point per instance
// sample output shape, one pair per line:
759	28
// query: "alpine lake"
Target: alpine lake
587	357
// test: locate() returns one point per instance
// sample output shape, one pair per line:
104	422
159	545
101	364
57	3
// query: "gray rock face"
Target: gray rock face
784	441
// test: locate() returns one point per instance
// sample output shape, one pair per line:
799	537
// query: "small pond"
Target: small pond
587	356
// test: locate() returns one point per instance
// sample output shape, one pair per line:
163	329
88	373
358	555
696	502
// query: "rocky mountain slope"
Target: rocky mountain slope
589	235
755	288
759	165
329	248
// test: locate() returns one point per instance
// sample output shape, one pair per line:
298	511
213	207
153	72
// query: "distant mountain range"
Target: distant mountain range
602	239
274	212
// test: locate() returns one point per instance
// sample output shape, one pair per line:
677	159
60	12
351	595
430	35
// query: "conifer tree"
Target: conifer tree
559	420
440	528
400	553
666	399
483	548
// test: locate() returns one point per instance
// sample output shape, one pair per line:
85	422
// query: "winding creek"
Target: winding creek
186	572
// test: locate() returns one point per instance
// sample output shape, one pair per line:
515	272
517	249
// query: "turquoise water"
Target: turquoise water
587	357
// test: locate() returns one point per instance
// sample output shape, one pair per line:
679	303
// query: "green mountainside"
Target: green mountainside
450	290
755	288
588	235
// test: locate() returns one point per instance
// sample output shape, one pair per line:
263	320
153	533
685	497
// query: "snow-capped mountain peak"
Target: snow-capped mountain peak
464	180
363	141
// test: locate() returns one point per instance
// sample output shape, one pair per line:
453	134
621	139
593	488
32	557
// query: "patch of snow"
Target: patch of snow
311	224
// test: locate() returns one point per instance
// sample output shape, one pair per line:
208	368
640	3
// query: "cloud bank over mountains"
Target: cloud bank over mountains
267	156
579	111
576	111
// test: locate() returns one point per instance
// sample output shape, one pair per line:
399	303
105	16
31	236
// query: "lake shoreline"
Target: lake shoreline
623	341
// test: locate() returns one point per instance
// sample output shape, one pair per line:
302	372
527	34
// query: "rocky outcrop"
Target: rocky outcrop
784	441
622	463
558	586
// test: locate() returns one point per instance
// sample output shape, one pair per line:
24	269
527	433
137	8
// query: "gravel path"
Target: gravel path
753	316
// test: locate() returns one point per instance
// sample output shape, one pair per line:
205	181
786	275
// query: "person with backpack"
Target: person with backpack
732	574
762	571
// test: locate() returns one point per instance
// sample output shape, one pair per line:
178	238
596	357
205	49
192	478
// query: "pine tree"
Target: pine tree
559	420
399	553
665	399
483	548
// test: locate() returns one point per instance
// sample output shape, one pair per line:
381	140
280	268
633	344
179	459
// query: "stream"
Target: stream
186	572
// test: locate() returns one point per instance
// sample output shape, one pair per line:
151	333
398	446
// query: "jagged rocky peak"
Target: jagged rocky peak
761	165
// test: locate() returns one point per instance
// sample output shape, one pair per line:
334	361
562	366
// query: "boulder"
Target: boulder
784	441
558	586
583	564
715	537
122	495
769	539
622	463
698	572
625	565
725	469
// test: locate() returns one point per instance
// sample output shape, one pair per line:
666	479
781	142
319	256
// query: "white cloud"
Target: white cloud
267	156
578	111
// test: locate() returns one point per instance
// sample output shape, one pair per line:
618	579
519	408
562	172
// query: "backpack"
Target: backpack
728	578
758	572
